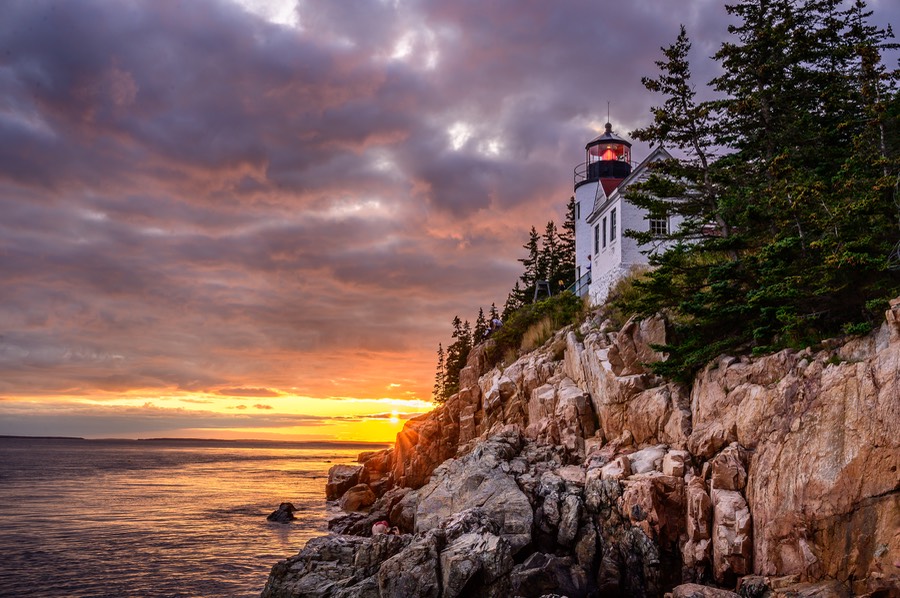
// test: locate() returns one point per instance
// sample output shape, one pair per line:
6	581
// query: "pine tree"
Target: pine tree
493	314
481	327
532	266
683	187
566	271
514	301
457	354
438	394
549	256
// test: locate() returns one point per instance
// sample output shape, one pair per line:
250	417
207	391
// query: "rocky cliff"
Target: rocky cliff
574	471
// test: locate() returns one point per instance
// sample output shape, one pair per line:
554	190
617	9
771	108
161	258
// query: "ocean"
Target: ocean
155	518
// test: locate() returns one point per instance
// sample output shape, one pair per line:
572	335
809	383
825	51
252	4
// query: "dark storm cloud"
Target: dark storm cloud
194	198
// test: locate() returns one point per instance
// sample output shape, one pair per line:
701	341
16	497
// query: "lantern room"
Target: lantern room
606	157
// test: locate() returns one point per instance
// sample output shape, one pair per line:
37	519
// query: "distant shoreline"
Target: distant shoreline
348	444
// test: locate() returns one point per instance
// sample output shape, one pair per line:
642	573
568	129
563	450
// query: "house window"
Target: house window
604	232
659	227
578	211
596	238
612	225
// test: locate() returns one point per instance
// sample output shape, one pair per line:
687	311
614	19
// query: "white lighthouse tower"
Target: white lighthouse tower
602	254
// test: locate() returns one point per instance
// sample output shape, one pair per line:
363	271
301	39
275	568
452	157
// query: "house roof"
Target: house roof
604	199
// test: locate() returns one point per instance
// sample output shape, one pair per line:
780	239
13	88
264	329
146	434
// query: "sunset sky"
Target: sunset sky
256	219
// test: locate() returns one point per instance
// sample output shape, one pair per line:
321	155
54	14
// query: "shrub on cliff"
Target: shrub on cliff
549	315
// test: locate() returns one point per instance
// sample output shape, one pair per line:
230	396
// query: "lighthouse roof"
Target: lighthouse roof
608	137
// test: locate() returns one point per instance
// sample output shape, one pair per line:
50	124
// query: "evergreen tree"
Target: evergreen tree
514	301
438	395
493	314
532	265
682	123
481	327
566	271
457	354
549	257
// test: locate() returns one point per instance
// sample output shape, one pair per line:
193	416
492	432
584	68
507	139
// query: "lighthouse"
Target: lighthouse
602	254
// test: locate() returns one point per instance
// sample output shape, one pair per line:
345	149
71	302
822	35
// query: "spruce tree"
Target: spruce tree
481	327
457	354
566	271
550	258
514	301
532	265
438	394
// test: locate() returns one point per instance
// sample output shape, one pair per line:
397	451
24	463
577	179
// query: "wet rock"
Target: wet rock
357	498
283	514
340	479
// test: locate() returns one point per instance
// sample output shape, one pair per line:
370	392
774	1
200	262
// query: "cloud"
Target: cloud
248	392
54	418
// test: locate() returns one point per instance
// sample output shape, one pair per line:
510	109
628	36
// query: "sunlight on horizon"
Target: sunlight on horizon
211	416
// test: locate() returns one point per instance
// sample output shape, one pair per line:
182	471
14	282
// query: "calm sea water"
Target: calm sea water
155	518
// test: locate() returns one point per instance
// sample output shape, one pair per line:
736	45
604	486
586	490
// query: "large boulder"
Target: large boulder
424	443
692	590
477	480
340	479
414	571
357	498
543	574
283	514
732	546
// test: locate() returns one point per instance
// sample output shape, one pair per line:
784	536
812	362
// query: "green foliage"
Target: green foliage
438	393
551	257
559	310
457	354
481	327
622	294
788	234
